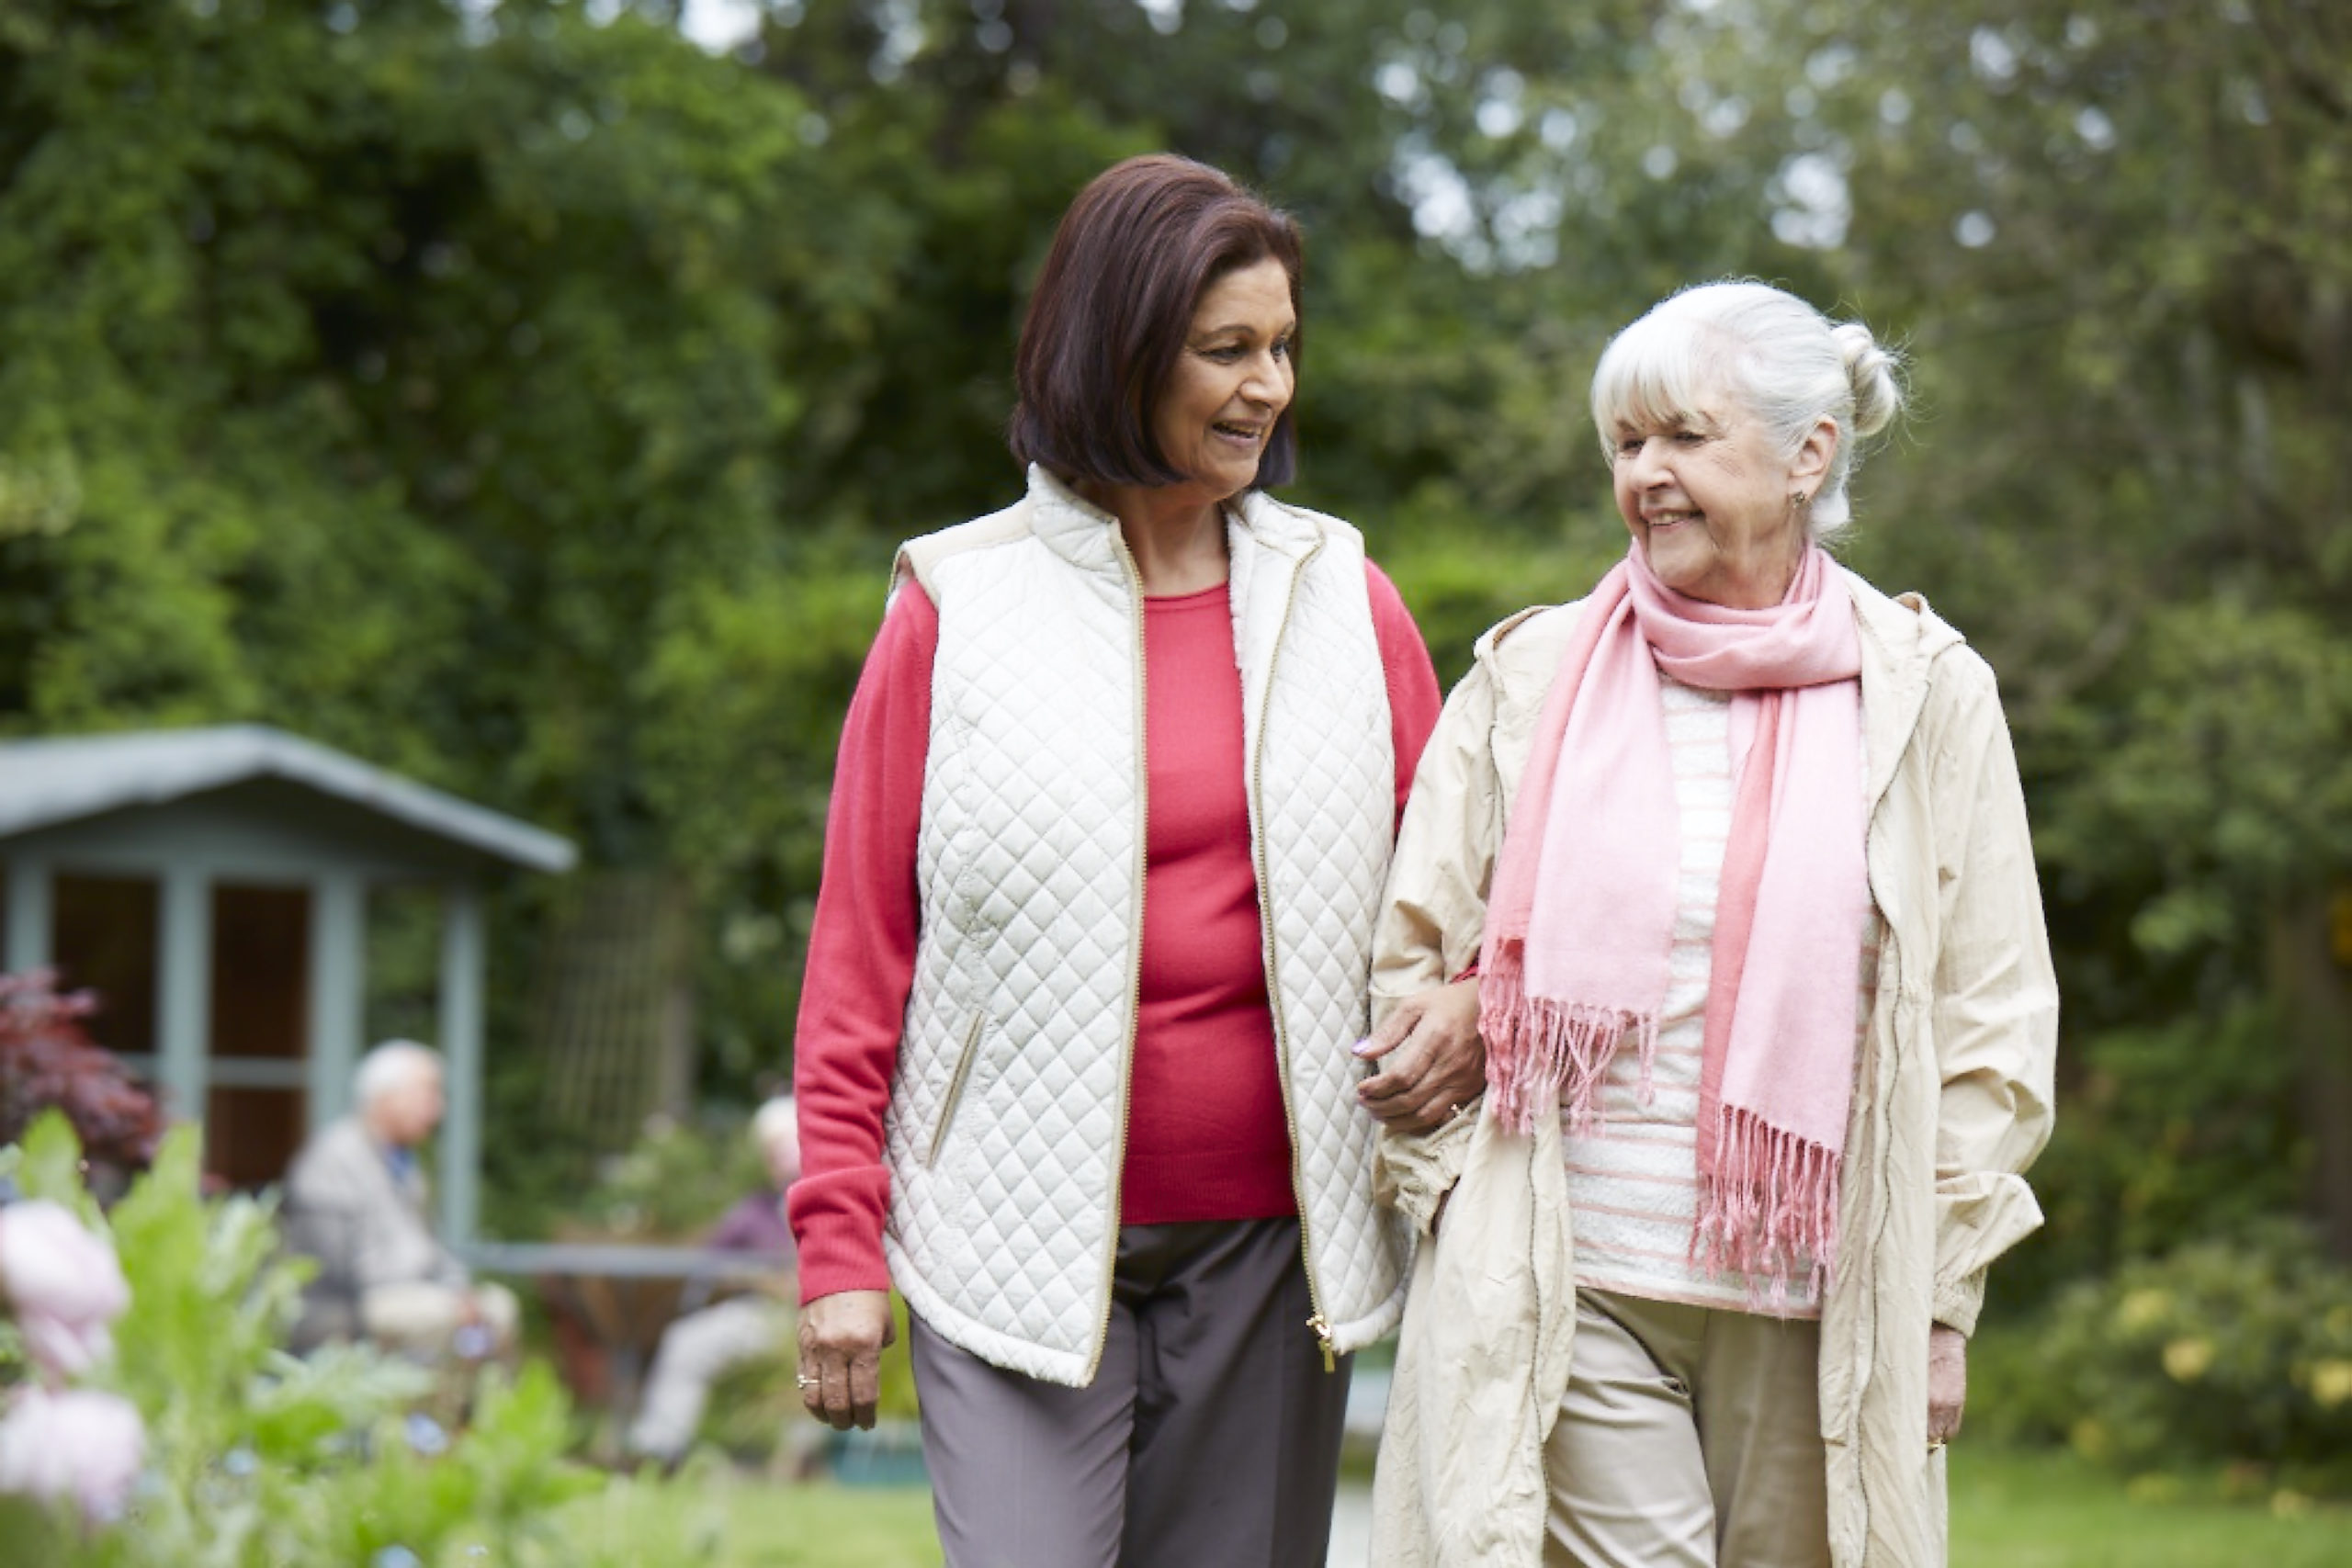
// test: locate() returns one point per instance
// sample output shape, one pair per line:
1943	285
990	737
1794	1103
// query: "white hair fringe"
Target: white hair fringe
1789	366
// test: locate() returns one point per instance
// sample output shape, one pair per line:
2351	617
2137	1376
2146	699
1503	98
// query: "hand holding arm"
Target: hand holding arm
1432	1059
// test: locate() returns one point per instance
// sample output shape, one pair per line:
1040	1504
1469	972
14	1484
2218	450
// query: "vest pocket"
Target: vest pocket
964	1060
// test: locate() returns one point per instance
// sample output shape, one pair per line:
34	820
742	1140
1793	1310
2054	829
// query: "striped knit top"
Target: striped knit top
1634	1176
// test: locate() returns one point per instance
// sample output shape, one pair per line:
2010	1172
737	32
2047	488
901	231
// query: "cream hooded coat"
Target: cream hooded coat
1951	1105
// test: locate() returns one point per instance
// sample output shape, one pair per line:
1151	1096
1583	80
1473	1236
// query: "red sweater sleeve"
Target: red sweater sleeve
862	958
1414	699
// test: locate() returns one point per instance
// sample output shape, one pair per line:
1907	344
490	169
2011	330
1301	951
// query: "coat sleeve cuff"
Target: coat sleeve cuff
1414	1171
1958	1301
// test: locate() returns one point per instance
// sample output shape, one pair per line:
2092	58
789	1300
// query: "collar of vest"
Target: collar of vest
1080	531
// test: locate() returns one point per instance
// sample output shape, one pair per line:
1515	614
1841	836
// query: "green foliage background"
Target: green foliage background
522	397
255	1457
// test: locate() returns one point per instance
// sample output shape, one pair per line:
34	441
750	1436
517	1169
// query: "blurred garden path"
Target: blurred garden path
1351	1518
1352	1526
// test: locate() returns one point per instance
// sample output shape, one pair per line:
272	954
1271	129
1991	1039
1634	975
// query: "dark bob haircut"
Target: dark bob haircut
1114	305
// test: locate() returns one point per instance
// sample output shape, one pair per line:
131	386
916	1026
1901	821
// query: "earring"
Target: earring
1799	500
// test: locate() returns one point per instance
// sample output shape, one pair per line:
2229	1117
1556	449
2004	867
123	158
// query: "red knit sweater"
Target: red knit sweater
1206	1137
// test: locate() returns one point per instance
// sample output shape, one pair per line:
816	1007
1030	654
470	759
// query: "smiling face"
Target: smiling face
1231	383
1707	495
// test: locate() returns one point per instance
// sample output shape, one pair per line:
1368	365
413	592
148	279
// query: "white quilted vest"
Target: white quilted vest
1008	1110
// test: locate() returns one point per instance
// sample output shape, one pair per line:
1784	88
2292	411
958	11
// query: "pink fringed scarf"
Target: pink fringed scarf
1580	921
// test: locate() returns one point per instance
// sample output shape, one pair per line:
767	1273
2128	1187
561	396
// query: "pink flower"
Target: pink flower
65	1282
77	1444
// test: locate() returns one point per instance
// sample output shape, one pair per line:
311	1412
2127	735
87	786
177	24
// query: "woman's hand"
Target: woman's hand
840	1356
1947	1383
1437	1061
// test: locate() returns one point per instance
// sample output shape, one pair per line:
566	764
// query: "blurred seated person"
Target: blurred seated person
697	1349
357	1200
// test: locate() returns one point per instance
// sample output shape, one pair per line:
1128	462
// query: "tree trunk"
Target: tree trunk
2311	975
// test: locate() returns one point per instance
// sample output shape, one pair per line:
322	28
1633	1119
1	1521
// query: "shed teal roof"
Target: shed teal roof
50	782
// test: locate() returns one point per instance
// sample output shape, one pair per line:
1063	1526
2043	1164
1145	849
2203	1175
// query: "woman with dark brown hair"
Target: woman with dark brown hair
1115	801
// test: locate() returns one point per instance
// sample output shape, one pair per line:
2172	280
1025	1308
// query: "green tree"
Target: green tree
530	404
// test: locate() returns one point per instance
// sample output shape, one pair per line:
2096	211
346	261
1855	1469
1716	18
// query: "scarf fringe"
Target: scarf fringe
1543	1054
1766	1209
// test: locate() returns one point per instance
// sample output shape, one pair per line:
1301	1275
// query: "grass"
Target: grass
2037	1510
2010	1510
741	1521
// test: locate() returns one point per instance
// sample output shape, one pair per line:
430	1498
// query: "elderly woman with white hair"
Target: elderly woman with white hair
1729	862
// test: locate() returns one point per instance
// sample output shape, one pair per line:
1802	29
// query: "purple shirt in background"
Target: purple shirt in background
755	1224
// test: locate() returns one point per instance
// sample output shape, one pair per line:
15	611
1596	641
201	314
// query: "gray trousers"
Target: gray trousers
1689	1437
1209	1438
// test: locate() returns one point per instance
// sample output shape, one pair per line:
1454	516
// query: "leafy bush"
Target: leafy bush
48	1061
2185	1130
257	1459
2233	1353
677	1179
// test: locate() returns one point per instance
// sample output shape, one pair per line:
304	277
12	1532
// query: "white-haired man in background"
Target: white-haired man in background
702	1345
358	1196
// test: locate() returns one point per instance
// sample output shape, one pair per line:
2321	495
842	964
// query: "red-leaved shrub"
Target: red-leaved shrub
46	1059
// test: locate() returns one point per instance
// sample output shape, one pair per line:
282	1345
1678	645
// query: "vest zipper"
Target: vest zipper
1318	1325
956	1085
1135	947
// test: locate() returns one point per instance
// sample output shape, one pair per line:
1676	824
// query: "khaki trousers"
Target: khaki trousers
1689	1437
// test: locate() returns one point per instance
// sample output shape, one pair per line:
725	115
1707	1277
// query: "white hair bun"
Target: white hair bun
1875	374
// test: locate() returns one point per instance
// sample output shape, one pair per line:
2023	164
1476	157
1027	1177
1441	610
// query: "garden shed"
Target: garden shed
213	886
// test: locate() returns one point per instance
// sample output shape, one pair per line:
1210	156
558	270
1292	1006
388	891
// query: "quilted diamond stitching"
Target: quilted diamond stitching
1008	1237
